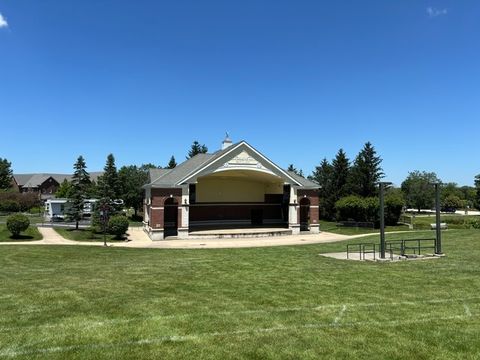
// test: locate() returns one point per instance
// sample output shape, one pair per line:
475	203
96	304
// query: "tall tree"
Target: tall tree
64	189
340	174
323	176
132	178
108	183
172	163
5	174
293	169
366	172
77	193
418	189
477	186
196	148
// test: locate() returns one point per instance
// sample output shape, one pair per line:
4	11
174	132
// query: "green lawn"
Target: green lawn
34	218
331	226
83	235
76	302
31	233
453	221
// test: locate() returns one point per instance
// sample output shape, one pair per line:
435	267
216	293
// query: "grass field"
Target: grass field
84	235
76	302
331	226
453	221
31	233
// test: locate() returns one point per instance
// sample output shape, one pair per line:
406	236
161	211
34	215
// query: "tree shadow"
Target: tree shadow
21	237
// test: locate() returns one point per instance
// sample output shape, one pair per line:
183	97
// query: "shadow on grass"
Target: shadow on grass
21	238
88	235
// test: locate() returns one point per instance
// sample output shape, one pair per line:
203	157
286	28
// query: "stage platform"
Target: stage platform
239	233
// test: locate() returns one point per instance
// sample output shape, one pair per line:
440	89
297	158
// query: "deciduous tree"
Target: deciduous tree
418	189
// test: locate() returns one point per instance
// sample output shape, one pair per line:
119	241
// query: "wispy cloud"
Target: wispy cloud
3	22
434	12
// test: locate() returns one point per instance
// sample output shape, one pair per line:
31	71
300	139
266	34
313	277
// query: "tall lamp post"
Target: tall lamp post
382	185
438	240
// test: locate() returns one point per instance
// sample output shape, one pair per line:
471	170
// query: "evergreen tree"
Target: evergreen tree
77	193
323	176
293	169
108	183
340	174
108	190
172	163
366	172
64	190
5	174
196	148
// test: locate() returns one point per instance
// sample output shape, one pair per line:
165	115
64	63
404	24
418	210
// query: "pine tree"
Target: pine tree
196	148
293	169
108	183
366	172
76	196
5	174
340	173
323	176
172	163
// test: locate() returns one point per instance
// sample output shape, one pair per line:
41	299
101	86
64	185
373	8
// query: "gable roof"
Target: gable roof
192	167
36	180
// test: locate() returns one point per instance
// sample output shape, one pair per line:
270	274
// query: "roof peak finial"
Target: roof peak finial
227	141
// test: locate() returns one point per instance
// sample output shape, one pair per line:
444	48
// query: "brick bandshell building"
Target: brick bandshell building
235	187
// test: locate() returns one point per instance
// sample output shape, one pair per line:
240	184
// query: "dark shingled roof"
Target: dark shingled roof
172	177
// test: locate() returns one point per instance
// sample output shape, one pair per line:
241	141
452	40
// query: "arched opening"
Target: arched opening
239	198
170	218
304	214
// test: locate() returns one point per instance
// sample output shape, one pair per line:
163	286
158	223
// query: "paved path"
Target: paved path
137	238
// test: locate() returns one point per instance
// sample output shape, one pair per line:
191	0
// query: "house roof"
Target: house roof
36	180
163	178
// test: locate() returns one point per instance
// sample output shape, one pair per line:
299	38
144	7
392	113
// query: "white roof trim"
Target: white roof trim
231	149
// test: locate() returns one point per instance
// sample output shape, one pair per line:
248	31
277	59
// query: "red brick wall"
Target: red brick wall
158	200
312	195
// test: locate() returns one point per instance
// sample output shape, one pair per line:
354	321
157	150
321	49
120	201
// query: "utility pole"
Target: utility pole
382	185
438	240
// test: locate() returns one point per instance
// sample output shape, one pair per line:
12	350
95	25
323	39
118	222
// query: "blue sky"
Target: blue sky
296	79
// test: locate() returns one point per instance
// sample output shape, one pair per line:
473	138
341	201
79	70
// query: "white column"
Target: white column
183	230
292	211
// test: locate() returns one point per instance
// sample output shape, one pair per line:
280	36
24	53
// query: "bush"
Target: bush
357	208
367	209
9	206
118	225
17	223
24	201
394	204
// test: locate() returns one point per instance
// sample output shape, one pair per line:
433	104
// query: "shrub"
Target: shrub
118	225
17	223
9	206
357	208
394	204
367	209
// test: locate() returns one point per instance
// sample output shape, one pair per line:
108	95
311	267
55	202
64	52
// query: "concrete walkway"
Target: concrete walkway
137	238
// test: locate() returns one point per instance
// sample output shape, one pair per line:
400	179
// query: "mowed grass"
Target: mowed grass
262	303
31	233
331	226
84	234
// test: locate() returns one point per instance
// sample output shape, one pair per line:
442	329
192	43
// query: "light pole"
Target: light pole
382	185
438	240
